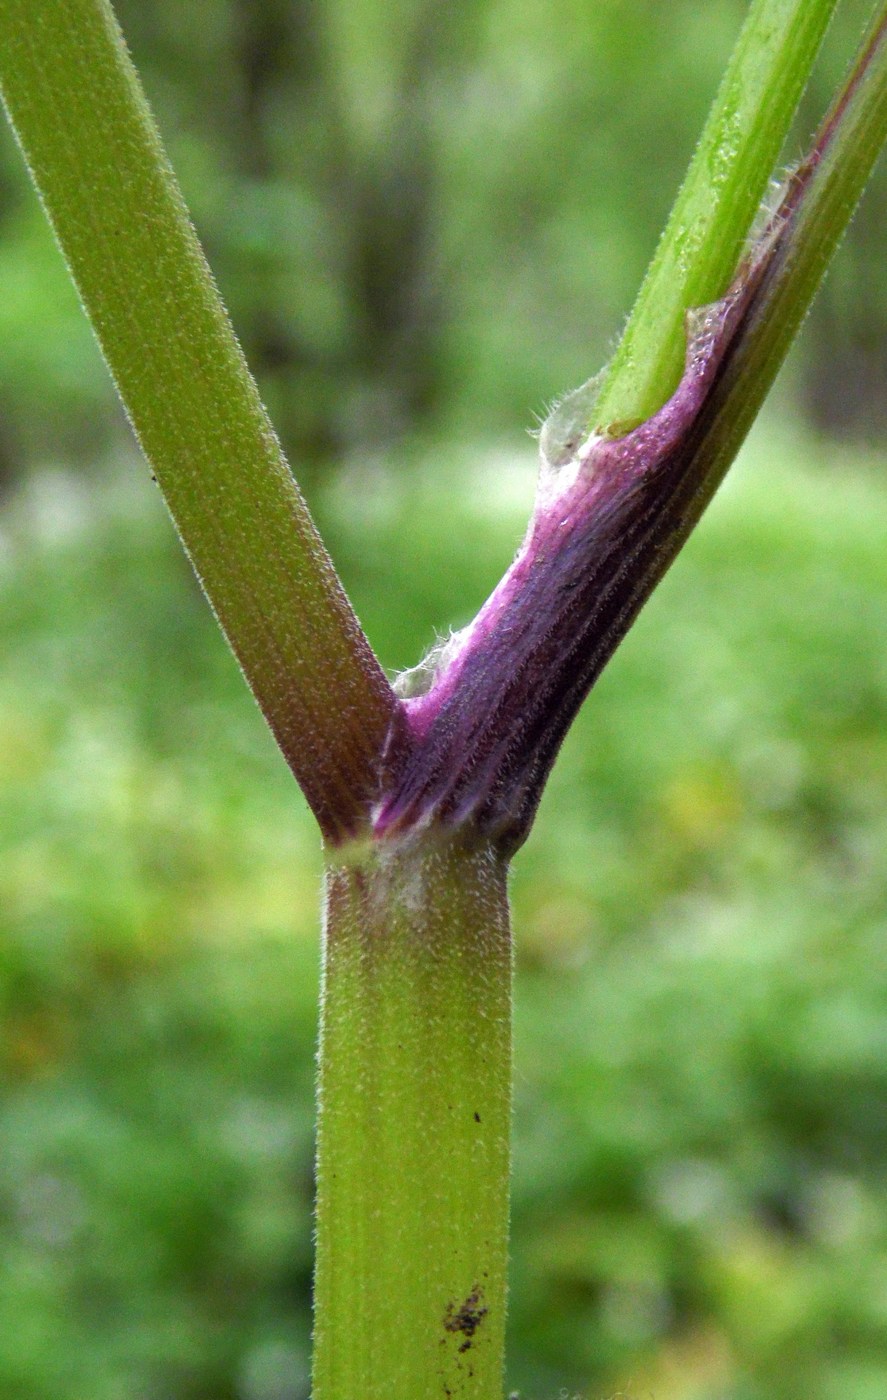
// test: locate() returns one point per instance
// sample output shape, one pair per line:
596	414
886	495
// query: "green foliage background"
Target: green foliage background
427	220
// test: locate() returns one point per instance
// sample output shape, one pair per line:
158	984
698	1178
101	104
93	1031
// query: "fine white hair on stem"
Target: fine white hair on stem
418	680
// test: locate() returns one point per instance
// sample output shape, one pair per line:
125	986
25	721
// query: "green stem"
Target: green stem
83	124
700	247
820	198
413	1135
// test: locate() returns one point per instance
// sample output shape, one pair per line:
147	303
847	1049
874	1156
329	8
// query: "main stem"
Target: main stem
413	1129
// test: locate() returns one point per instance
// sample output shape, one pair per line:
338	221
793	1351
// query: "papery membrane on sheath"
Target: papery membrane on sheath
568	424
418	680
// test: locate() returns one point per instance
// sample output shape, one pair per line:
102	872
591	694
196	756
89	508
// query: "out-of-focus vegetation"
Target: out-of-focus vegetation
427	220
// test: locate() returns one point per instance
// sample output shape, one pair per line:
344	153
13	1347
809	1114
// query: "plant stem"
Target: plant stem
611	514
413	1134
700	246
415	1060
94	153
485	734
818	204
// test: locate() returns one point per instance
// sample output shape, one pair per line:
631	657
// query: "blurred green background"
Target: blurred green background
427	220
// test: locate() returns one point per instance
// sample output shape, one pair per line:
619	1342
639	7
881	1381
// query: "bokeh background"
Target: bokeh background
427	220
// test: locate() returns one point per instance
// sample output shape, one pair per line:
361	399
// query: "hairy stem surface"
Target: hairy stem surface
413	1134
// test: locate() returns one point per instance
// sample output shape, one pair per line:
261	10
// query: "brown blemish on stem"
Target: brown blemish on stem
467	1318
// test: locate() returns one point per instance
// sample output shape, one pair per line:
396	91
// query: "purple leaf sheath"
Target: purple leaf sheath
606	525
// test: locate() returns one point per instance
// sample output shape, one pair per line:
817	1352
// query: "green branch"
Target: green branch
793	252
819	202
700	247
84	127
